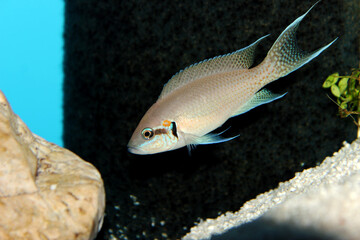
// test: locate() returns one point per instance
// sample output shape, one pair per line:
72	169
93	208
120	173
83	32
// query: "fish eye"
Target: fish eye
147	133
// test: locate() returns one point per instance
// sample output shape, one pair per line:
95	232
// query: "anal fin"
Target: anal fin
263	96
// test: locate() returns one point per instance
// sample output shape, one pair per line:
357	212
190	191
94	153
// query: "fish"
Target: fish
202	97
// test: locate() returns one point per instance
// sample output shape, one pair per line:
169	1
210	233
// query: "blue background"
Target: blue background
31	51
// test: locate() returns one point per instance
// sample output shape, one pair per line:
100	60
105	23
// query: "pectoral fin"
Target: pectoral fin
210	138
262	97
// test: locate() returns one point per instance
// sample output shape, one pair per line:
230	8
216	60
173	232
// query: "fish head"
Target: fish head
154	136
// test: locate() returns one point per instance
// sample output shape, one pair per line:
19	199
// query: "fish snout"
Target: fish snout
135	150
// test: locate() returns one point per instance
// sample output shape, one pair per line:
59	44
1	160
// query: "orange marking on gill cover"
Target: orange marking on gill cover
166	123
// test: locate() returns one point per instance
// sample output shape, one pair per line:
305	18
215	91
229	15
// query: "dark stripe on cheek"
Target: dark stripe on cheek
173	129
161	131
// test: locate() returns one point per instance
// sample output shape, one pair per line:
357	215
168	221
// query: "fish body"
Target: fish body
212	99
202	97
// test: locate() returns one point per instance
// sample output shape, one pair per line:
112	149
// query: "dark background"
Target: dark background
118	56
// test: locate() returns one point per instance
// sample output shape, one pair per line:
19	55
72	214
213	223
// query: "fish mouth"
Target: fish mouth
135	150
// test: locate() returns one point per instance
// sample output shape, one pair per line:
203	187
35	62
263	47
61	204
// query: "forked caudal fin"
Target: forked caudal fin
285	53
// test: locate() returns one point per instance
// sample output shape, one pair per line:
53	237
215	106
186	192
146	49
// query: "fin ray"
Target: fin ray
240	59
262	97
210	138
285	53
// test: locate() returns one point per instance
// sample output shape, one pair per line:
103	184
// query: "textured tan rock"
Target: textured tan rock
46	192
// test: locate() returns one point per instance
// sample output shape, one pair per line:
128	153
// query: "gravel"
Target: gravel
319	203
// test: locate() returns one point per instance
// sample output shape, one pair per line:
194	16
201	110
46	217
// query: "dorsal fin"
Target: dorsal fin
239	59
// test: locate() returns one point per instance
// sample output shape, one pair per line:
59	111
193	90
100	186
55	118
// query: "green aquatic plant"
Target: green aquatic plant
346	89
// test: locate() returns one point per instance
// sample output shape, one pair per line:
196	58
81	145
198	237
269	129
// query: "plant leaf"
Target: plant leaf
335	90
352	84
347	98
343	105
343	84
356	73
331	80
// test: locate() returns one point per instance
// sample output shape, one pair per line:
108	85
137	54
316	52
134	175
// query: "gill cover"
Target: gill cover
154	140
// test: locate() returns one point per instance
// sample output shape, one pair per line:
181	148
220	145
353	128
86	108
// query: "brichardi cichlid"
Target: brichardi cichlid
205	95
